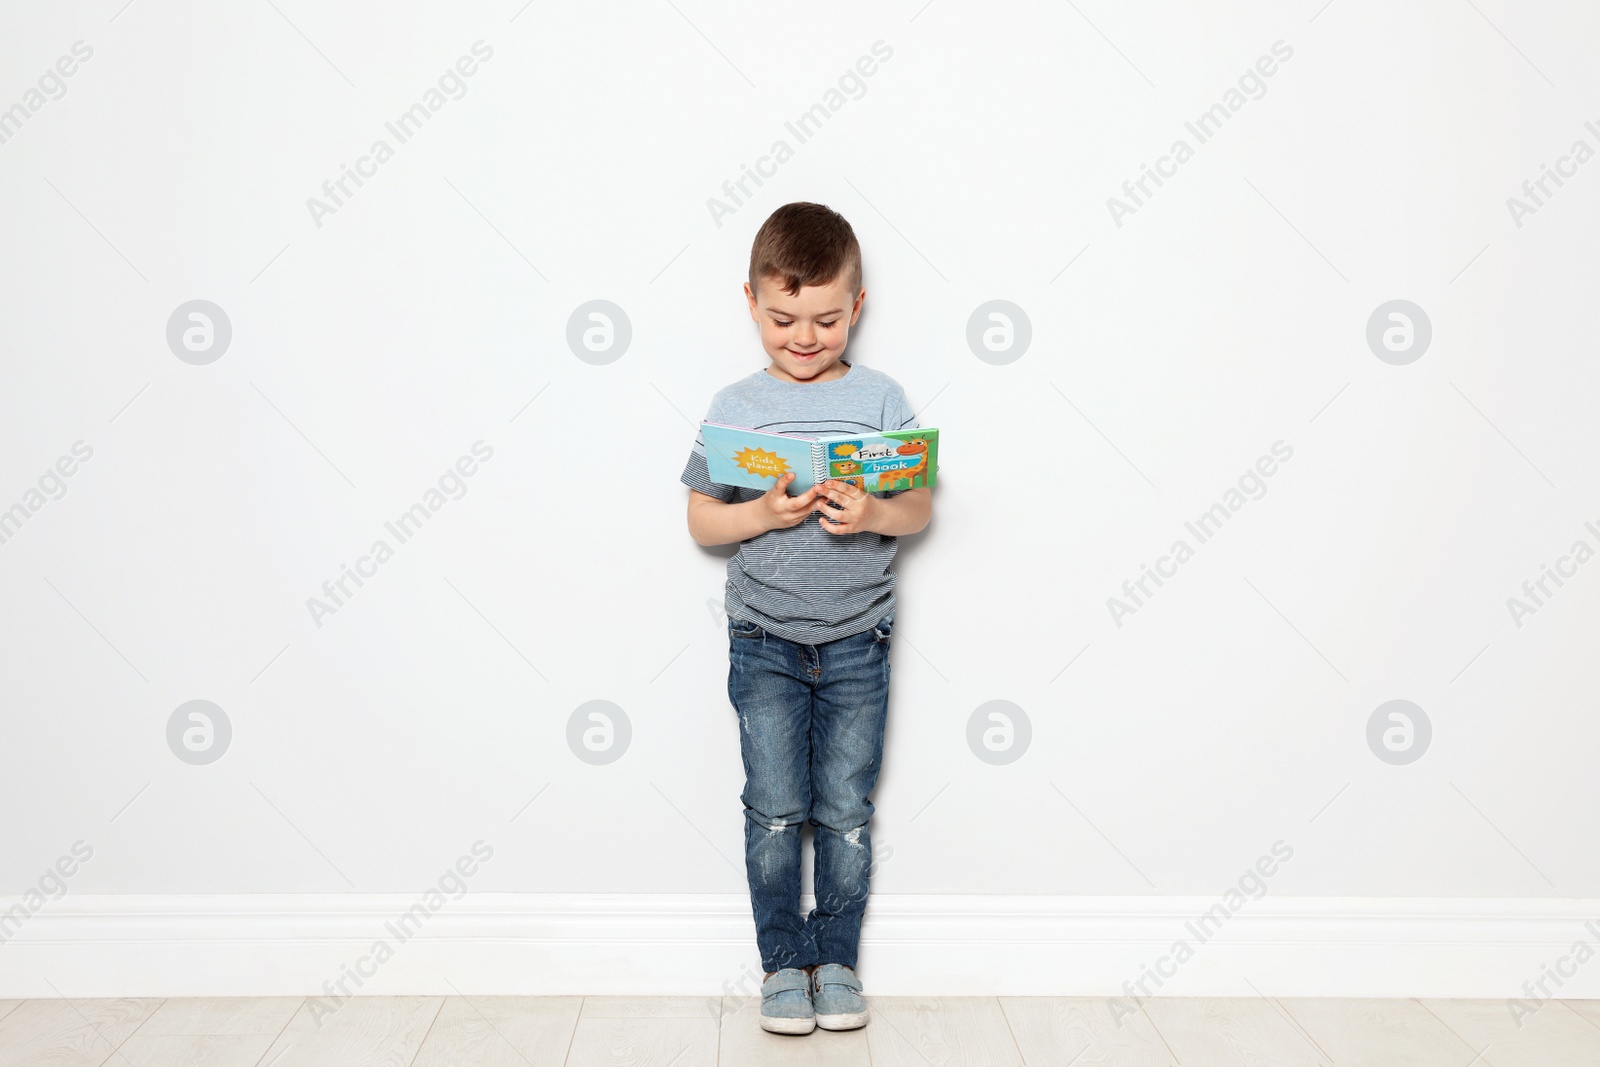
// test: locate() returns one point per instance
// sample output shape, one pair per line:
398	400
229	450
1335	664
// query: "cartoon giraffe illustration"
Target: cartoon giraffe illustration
916	446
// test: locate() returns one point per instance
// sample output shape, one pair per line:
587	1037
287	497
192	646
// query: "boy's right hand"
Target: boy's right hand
781	510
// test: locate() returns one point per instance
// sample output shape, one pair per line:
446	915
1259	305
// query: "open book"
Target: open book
877	462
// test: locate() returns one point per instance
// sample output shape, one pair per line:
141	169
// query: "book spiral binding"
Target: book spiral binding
819	463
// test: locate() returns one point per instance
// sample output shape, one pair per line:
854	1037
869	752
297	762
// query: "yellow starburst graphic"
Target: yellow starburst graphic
761	463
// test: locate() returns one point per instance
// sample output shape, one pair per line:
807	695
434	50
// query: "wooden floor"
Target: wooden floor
698	1032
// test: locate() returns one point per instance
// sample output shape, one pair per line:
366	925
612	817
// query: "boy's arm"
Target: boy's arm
717	522
721	519
713	521
906	512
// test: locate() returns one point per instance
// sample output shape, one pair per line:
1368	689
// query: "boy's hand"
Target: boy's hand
780	510
860	509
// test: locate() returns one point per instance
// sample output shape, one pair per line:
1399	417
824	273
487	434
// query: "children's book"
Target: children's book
877	462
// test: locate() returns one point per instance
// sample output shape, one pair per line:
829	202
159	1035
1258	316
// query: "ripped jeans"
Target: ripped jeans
811	721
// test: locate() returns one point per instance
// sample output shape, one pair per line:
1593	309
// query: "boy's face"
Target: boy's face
804	335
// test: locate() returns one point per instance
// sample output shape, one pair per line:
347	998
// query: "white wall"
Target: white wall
372	348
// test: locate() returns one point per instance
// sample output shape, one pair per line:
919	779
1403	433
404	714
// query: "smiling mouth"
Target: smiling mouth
803	355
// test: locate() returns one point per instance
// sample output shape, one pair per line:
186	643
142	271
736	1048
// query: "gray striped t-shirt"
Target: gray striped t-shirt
804	583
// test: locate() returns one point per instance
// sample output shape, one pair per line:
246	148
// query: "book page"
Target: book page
755	459
886	461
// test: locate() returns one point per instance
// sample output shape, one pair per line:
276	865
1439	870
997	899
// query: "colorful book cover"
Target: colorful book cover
877	462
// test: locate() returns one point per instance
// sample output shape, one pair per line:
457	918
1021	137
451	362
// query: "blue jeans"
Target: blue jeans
811	721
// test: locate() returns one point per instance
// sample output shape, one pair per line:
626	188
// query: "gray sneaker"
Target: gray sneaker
836	997
786	1003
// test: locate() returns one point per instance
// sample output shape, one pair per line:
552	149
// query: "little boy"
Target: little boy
810	600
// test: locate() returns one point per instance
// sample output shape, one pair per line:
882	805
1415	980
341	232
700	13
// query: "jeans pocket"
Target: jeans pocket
743	628
884	630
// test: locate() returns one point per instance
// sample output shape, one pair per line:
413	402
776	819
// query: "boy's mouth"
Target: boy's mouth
803	355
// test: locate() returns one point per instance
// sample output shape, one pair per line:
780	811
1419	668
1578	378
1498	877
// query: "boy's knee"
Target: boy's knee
849	824
779	819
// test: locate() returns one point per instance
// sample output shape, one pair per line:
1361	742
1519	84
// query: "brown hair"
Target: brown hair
806	244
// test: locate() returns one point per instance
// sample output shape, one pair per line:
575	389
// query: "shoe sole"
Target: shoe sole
777	1024
843	1021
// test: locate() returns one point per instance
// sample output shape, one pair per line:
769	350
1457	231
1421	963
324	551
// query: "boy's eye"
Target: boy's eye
786	325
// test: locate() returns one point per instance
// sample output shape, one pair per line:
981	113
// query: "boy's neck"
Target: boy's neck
835	372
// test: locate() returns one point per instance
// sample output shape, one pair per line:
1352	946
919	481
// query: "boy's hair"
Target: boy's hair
805	244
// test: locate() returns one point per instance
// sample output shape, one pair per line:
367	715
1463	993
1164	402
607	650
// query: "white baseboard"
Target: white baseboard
704	945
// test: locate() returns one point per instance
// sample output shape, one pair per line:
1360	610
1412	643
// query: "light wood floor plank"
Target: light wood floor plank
644	1041
652	1007
1553	1036
501	1032
948	1031
713	1031
1589	1009
69	1033
745	1043
1240	1032
169	1050
1379	1033
364	1032
1085	1032
221	1016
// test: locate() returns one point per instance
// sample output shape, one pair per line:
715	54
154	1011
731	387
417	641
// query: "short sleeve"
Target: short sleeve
897	413
695	474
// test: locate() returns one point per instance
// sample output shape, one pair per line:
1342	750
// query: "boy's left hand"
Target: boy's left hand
860	508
